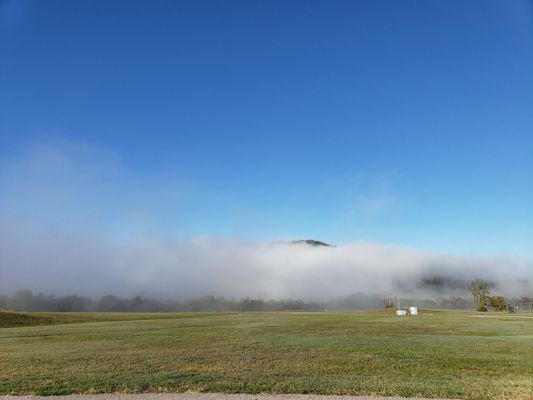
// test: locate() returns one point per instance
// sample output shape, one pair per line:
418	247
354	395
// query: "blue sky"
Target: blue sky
397	122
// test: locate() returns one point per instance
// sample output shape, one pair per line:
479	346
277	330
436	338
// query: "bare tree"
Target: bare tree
480	291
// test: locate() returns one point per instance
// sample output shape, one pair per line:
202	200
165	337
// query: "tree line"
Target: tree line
26	300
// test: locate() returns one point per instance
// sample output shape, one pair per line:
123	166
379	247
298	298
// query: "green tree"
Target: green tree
498	303
480	290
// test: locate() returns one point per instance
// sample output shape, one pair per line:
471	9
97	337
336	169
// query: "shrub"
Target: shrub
498	303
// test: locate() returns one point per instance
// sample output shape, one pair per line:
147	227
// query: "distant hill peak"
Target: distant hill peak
310	242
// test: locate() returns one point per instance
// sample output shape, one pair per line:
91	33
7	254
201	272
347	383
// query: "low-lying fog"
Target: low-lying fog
164	267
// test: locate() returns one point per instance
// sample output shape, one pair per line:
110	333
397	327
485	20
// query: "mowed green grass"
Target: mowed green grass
435	354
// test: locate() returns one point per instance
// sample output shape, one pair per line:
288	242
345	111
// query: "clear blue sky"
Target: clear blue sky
407	122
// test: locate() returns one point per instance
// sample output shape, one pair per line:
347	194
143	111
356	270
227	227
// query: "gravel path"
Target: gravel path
203	396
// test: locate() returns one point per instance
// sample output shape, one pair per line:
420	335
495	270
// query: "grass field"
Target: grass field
435	354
